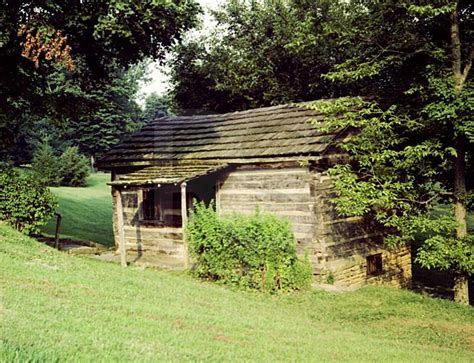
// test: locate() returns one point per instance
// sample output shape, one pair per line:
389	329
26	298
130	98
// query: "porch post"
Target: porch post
218	197
121	231
184	218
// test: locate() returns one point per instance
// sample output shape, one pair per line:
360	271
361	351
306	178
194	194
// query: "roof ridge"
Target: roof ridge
223	115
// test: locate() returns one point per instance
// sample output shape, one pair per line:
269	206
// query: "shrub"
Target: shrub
69	169
46	164
25	202
74	167
256	251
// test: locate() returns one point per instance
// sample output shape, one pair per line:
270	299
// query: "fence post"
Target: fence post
58	226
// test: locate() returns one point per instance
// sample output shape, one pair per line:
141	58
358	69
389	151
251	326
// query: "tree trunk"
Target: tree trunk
92	164
460	189
461	287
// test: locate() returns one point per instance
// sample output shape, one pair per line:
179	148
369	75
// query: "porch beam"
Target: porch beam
184	218
218	197
120	226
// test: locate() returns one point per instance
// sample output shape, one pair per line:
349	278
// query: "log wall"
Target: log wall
282	191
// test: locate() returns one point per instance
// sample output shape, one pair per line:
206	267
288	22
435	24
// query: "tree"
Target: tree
73	168
46	165
107	114
413	155
255	57
156	106
60	54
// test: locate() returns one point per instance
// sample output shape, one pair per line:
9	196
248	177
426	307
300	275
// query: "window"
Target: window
152	208
374	265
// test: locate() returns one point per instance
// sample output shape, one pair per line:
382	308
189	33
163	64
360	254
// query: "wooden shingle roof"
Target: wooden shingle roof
282	132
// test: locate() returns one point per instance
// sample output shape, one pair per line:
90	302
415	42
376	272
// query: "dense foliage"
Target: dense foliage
255	251
399	181
67	62
256	57
419	148
25	202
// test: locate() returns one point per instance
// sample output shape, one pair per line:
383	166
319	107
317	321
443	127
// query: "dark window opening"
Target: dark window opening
374	265
152	209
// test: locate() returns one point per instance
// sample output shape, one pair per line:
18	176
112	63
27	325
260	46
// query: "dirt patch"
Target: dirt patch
77	247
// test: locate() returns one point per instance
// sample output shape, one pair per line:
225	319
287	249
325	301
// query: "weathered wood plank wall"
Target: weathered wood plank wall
282	191
337	246
143	237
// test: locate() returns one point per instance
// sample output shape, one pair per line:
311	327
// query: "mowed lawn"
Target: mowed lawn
86	212
60	307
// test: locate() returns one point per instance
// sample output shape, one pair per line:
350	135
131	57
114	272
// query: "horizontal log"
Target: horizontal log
243	172
264	197
155	246
331	242
274	207
344	220
156	251
301	236
282	183
148	233
263	192
302	219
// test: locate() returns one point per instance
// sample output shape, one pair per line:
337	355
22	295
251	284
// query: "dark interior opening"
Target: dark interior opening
202	189
162	205
374	264
152	204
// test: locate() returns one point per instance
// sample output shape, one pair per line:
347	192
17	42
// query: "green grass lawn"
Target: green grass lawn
86	212
59	307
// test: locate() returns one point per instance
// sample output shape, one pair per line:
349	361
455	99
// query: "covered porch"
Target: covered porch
151	207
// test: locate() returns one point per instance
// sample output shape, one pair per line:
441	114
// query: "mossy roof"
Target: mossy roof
279	132
166	174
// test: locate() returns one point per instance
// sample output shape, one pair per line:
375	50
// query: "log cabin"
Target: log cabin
273	157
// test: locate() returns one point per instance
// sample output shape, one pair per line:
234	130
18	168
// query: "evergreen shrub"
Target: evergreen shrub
45	164
69	169
256	251
74	167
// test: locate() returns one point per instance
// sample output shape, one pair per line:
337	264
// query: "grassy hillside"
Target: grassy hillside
60	307
86	212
